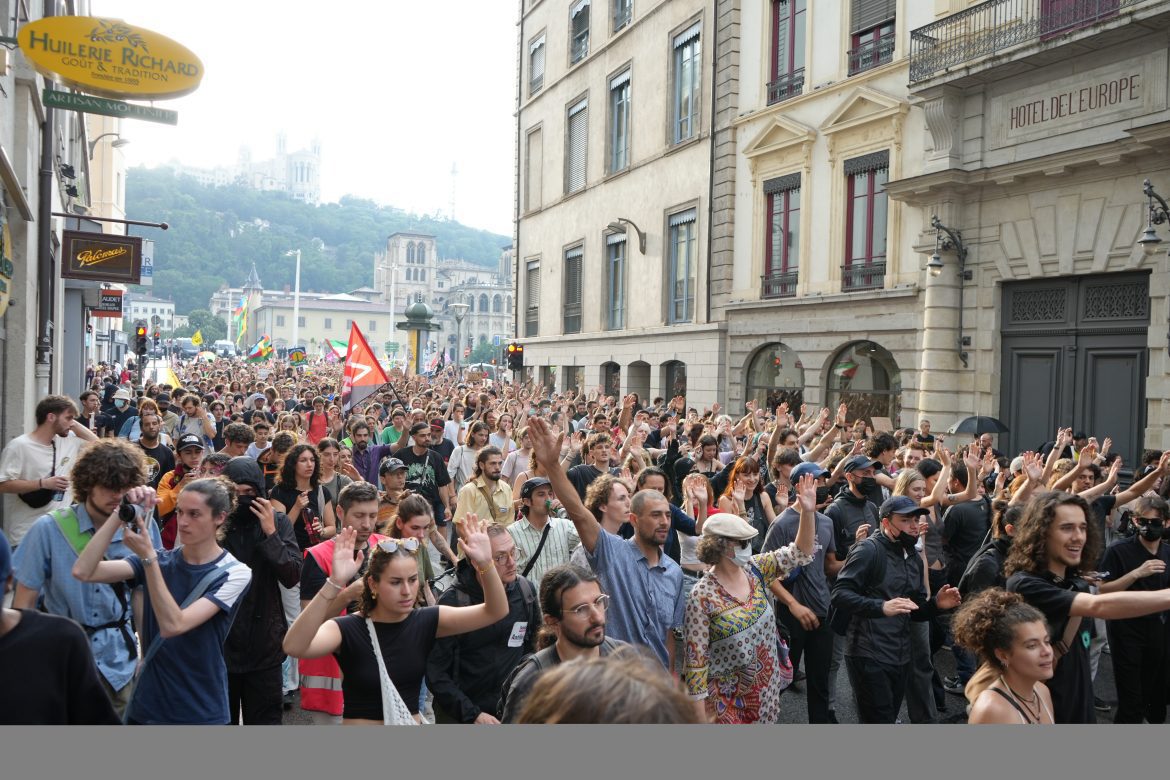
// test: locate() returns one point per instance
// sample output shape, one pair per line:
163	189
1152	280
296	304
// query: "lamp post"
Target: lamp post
619	226
460	310
1157	214
119	142
946	240
296	333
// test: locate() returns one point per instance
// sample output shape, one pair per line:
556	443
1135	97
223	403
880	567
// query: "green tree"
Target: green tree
484	352
212	328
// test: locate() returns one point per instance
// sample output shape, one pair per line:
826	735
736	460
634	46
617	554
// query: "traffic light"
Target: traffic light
140	338
515	356
157	336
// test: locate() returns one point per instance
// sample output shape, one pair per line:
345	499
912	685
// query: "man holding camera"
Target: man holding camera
43	566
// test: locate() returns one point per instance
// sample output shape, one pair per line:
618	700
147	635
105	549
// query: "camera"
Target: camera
129	513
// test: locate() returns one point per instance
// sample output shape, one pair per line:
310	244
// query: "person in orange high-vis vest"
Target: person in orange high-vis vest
357	508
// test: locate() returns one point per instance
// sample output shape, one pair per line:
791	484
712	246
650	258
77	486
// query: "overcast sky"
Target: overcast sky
397	92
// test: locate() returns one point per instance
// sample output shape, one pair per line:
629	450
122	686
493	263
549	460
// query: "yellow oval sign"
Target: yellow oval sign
111	58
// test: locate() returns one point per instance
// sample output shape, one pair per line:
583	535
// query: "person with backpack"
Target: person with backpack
878	591
192	596
466	672
574	608
104	473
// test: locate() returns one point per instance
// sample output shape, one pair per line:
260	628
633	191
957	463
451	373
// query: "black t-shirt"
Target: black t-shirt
1102	508
249	414
288	498
1072	681
427	473
405	646
313	579
159	460
1124	556
582	477
444	448
964	528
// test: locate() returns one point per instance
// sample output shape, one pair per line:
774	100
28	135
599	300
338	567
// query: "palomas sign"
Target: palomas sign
111	58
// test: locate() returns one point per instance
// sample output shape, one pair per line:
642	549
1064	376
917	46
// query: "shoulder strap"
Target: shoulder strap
70	528
491	504
539	547
1012	702
526	588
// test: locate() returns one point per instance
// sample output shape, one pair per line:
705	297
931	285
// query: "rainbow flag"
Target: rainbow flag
240	318
260	350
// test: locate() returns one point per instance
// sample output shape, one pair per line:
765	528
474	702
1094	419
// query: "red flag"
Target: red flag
363	374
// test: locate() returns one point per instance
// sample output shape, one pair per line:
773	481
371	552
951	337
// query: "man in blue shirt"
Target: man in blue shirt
643	583
43	564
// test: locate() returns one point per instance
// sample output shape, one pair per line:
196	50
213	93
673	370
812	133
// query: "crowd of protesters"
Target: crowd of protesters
458	550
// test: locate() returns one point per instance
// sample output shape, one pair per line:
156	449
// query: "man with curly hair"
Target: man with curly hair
1054	542
104	472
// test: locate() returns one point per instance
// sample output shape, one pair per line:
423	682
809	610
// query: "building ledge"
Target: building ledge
815	299
674	331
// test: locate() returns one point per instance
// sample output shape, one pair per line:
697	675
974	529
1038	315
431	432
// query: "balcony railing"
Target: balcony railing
872	53
786	87
781	285
996	25
871	276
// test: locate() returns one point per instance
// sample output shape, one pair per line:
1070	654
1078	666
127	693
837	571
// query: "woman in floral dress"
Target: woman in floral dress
732	666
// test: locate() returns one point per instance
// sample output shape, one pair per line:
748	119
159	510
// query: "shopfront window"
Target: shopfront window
775	375
864	376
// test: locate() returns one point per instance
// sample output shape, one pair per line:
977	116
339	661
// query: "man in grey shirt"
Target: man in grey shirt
802	603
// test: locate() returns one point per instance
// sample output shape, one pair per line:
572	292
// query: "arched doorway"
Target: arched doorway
775	375
674	379
638	379
864	376
611	379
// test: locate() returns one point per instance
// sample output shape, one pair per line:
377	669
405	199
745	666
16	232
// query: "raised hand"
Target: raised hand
474	539
1033	467
345	565
546	445
806	493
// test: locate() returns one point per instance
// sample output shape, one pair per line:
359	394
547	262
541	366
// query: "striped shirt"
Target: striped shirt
562	540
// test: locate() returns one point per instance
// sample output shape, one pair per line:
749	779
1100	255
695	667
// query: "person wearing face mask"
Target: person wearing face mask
1140	646
732	662
264	541
802	604
880	589
123	410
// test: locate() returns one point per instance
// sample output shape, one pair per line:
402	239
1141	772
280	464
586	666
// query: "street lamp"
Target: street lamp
946	240
460	310
618	227
296	298
116	144
1156	216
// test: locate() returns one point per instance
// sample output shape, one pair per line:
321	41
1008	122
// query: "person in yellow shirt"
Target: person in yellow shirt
486	495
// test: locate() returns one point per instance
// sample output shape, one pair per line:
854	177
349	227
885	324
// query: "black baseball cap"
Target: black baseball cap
530	485
901	505
190	440
859	462
390	464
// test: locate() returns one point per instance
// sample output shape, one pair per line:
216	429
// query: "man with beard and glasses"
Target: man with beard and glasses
645	584
263	540
466	672
1054	542
881	588
574	610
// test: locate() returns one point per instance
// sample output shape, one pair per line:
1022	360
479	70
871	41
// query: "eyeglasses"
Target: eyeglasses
503	558
1156	520
409	544
601	603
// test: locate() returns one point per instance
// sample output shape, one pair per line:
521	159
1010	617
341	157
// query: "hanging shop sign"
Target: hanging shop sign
111	58
109	304
101	257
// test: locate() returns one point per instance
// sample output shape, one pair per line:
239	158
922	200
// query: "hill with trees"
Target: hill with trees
216	233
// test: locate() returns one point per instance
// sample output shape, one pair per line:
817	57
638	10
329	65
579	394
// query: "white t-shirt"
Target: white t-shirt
24	458
451	431
516	463
254	451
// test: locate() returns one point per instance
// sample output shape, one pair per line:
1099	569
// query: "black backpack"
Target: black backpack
840	619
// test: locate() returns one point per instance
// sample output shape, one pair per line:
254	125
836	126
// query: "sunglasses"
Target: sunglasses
390	546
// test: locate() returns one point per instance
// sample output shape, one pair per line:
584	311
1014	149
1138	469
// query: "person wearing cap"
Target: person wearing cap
439	443
732	662
124	409
854	516
392	478
169	419
190	452
802	603
538	529
47	670
880	589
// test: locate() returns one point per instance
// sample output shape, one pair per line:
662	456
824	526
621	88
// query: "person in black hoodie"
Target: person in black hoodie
262	539
466	673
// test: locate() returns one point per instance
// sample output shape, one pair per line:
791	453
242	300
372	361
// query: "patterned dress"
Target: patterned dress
731	658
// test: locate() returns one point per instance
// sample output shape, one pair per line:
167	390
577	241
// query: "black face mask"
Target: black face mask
824	493
1151	532
908	541
244	507
866	484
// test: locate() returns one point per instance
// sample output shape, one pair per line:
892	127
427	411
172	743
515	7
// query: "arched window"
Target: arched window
410	252
774	375
508	307
470	304
612	379
422	253
483	302
638	379
497	305
864	377
674	378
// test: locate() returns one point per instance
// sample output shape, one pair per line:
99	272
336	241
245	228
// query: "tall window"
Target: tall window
483	303
578	31
865	221
572	302
688	79
280	320
410	252
373	325
532	298
533	165
788	20
619	122
782	250
328	323
872	40
536	56
422	253
615	274
300	322
575	146
623	10
681	273
497	304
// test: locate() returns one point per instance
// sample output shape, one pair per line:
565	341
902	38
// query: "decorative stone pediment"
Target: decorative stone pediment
781	134
864	106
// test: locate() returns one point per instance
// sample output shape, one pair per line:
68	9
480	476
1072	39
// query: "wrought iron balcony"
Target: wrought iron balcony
872	53
778	285
996	25
786	86
871	276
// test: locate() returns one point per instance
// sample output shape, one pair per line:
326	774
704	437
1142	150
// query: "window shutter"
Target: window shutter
688	35
535	168
532	286
536	64
622	78
682	217
573	260
578	124
870	162
615	238
867	14
782	184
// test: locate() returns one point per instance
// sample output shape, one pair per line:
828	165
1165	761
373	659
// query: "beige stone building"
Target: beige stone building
320	318
614	207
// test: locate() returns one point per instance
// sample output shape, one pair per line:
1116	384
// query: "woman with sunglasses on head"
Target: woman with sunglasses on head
404	635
